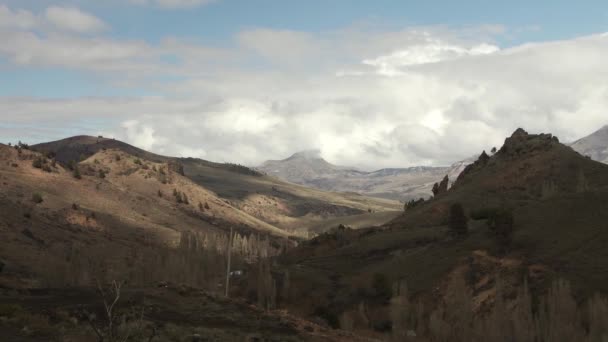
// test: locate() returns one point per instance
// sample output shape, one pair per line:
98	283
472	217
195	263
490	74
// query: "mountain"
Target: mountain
305	167
595	145
310	169
557	199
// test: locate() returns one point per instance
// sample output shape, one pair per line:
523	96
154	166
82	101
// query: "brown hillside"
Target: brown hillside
559	201
290	207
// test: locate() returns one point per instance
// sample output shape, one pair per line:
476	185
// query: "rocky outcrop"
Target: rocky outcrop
441	187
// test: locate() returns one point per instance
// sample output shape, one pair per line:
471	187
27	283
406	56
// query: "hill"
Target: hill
594	145
117	216
284	205
310	169
558	201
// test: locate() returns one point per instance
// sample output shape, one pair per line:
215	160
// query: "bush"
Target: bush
501	225
457	221
483	213
413	203
137	161
102	174
382	287
328	316
76	173
37	198
37	163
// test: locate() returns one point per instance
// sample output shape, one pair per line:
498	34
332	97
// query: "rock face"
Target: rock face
595	145
441	187
310	169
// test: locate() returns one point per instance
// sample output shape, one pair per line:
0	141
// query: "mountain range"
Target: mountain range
85	210
310	169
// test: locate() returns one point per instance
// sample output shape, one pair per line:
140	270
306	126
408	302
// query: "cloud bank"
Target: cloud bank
363	97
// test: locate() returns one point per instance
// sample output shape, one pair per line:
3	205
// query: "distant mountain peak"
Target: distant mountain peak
307	155
594	145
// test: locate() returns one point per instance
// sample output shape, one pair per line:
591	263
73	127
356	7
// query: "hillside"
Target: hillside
310	169
594	145
118	213
277	203
558	200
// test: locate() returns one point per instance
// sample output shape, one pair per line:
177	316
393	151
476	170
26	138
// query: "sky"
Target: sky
371	84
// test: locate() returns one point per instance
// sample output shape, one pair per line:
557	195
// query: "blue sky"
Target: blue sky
369	83
218	22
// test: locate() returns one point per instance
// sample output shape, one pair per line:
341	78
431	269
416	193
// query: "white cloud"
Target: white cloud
54	18
18	19
364	98
173	3
73	19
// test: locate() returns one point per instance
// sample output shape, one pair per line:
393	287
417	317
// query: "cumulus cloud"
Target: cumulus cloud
366	98
73	19
54	18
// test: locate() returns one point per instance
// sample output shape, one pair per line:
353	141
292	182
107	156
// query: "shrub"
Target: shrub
46	168
75	206
38	162
413	203
102	174
37	198
206	205
483	213
501	224
328	316
160	193
457	221
137	161
76	173
117	157
382	287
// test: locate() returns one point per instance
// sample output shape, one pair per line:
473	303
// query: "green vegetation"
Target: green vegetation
76	172
101	174
501	225
381	286
413	203
37	198
457	221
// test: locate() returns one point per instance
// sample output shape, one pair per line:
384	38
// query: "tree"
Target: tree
493	150
457	221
